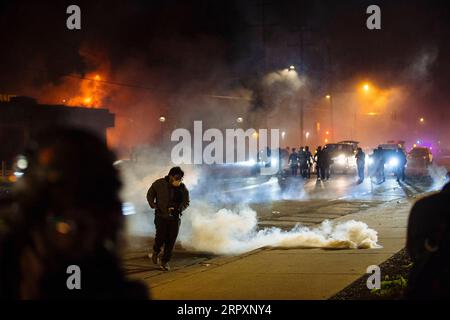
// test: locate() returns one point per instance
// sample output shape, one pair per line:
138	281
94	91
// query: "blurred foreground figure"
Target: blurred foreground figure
428	244
169	197
66	212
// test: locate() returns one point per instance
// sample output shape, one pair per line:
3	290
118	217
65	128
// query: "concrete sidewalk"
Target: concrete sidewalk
269	273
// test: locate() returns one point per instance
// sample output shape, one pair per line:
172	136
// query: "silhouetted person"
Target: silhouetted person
169	197
360	163
284	159
302	161
309	162
379	161
320	163
400	170
67	213
428	244
326	163
293	162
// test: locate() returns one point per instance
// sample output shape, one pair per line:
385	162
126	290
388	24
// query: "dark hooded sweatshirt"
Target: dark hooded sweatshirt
167	196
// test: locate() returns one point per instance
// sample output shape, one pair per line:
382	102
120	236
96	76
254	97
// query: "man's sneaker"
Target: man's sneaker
154	257
165	266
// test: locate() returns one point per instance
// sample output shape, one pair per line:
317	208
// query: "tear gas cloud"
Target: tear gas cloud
215	224
228	231
439	176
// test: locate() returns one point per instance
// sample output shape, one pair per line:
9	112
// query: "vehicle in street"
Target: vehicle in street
389	155
419	159
342	156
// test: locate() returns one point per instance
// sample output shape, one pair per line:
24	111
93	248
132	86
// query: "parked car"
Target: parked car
419	159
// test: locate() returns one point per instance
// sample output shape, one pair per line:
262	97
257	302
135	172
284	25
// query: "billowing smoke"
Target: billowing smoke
439	176
228	231
214	224
421	64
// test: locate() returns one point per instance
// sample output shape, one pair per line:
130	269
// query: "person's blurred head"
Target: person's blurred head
307	148
175	176
319	148
293	149
359	149
69	193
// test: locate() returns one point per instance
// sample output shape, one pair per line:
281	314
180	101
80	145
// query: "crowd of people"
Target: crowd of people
379	160
302	162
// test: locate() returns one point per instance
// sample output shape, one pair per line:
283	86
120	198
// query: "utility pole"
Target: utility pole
302	68
331	93
301	45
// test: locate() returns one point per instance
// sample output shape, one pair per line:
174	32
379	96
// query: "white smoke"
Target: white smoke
439	176
420	67
289	79
208	227
226	231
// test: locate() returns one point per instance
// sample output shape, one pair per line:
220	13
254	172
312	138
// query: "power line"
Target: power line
135	86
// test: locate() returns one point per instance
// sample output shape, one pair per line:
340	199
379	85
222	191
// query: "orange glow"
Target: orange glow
366	87
327	132
91	93
326	140
87	100
63	228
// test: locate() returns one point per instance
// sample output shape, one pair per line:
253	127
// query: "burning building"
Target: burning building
22	117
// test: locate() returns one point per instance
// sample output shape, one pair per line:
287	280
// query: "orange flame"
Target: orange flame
91	94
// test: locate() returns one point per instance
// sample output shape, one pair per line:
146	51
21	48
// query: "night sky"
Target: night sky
182	42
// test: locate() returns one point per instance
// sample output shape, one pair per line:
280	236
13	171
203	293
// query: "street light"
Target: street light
162	119
366	87
291	68
239	120
422	120
329	98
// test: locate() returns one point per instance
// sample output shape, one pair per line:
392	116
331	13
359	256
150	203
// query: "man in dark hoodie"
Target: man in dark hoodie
169	197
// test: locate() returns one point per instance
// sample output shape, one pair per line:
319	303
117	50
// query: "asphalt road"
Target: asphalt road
306	202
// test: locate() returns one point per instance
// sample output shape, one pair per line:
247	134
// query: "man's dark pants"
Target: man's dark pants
294	170
166	235
361	171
